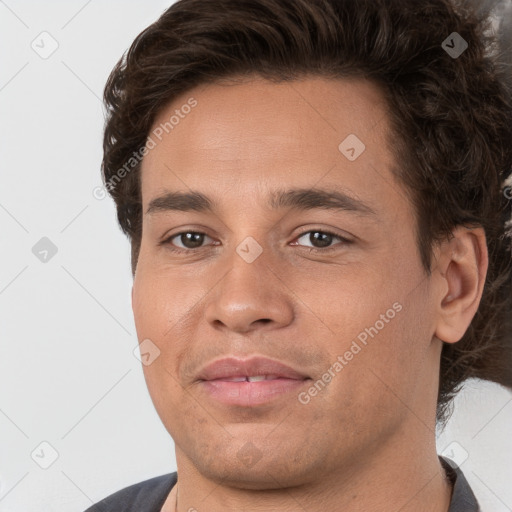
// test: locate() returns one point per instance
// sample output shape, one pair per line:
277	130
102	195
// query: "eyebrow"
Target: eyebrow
297	198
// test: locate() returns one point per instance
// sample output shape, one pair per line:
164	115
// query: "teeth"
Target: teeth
256	379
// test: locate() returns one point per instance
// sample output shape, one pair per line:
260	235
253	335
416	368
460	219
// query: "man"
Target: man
313	190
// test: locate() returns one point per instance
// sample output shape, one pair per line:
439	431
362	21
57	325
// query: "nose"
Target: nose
250	296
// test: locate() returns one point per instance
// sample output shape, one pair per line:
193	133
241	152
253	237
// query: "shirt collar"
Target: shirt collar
463	498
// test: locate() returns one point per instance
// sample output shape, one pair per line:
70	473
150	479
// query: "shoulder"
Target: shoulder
146	496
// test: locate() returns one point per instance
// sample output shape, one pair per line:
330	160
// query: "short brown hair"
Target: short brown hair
451	119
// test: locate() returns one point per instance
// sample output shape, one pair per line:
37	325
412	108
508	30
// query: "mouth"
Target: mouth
250	382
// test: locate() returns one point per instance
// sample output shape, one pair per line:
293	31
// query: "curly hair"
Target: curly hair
451	120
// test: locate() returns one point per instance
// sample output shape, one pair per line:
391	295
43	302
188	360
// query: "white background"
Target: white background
68	375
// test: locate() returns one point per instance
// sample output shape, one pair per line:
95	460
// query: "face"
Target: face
277	244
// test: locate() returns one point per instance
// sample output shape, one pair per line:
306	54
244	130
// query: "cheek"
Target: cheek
394	358
382	331
156	309
164	309
161	303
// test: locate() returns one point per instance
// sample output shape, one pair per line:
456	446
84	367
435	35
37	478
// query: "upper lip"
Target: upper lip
230	367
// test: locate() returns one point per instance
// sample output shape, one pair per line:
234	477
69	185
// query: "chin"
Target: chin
250	468
257	479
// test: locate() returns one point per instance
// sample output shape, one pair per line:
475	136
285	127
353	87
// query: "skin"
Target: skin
350	446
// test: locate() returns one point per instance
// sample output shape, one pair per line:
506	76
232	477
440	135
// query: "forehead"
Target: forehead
256	131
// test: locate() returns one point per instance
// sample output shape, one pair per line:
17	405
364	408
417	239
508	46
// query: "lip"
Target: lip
216	379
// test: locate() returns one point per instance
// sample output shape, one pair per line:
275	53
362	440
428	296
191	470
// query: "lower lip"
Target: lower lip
250	394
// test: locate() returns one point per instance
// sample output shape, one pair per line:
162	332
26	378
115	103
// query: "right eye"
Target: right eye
189	241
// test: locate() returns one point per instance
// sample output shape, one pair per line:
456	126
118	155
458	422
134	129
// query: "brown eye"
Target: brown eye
320	239
187	240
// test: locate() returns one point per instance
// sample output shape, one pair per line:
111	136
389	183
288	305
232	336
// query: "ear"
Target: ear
462	265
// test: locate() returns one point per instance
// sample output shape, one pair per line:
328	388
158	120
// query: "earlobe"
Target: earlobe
462	264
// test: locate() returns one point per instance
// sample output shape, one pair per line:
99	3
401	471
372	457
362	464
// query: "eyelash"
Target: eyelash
344	241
